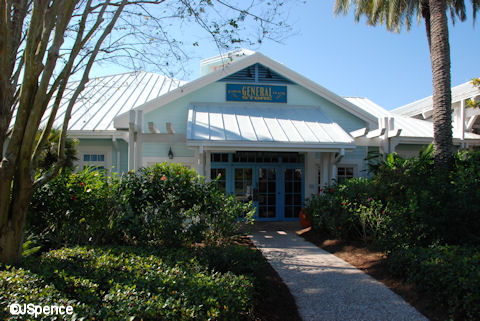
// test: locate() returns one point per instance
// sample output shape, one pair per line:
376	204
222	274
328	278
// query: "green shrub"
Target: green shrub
172	205
119	283
452	273
164	204
429	226
425	209
76	208
239	260
348	211
406	204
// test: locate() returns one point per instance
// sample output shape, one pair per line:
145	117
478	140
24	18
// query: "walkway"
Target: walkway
324	286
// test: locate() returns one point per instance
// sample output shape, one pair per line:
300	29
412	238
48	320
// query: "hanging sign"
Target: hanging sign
257	93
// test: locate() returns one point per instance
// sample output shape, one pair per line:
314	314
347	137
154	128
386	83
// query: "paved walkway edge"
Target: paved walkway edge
324	286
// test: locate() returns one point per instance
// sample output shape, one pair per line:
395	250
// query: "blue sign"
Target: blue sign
257	93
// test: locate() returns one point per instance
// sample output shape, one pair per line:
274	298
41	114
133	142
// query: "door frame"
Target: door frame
280	183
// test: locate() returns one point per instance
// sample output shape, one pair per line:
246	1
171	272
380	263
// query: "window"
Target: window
95	162
344	173
93	157
221	183
219	157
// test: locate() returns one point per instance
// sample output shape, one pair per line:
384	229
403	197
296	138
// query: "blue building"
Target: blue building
274	136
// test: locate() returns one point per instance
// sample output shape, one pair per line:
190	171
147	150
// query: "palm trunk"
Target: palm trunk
426	18
442	97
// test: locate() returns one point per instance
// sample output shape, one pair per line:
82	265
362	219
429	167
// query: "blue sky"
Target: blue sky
353	59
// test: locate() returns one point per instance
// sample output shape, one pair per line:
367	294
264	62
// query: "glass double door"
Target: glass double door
276	191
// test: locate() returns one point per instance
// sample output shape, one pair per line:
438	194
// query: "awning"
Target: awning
269	126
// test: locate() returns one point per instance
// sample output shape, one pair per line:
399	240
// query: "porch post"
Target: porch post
139	143
325	171
333	168
131	141
200	160
310	174
208	166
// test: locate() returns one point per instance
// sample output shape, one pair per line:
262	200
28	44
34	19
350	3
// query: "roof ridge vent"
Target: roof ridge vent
217	62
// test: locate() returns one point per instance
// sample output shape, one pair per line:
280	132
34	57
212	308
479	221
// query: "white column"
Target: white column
139	143
462	119
131	141
333	168
310	174
208	166
116	149
324	170
199	161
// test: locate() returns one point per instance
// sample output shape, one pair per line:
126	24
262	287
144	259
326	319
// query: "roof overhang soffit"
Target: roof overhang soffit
273	146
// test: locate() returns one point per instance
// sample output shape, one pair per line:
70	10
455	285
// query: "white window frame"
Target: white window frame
355	164
95	150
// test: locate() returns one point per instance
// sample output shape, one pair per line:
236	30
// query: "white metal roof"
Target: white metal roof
122	120
263	125
460	92
411	127
106	97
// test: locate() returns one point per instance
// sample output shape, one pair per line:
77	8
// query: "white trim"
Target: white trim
357	164
121	121
228	57
98	150
98	134
359	132
424	105
471	122
186	161
280	146
376	133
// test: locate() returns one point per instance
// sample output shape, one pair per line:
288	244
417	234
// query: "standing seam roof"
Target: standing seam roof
106	97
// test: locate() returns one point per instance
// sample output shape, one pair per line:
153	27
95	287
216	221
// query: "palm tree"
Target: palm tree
397	13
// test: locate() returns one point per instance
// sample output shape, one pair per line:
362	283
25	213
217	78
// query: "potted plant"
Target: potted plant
304	218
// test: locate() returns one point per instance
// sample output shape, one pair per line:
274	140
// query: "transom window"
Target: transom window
258	157
219	157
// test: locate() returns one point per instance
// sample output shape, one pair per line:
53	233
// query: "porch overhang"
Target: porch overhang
264	127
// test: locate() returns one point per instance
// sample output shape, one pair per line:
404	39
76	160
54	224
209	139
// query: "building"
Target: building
465	120
275	136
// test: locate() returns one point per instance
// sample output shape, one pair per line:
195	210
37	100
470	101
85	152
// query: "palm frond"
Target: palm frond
396	14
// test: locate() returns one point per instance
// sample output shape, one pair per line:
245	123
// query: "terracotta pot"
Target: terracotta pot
304	218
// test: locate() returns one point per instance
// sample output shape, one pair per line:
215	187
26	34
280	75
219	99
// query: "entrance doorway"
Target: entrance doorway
273	181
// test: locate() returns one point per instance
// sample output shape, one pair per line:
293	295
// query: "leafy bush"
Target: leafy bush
426	209
451	272
76	208
172	205
164	204
427	222
121	283
19	285
406	204
348	211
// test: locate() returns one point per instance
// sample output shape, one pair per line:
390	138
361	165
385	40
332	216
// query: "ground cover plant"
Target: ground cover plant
156	244
428	227
122	283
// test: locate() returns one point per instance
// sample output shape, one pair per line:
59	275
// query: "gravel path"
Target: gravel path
324	286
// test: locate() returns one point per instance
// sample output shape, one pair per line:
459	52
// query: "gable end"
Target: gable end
257	73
